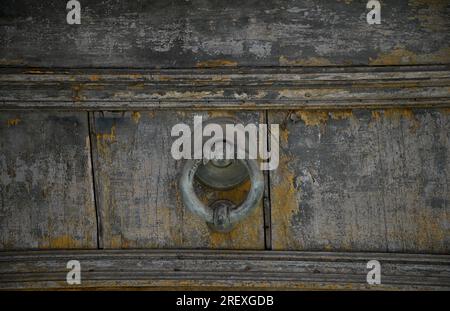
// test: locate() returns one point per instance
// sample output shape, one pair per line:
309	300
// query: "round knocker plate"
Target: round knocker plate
221	215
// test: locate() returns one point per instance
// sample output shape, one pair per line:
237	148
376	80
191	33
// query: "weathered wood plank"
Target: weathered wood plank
221	269
46	181
252	88
137	186
174	34
362	180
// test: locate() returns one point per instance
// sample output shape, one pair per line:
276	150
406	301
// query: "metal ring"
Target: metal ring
221	219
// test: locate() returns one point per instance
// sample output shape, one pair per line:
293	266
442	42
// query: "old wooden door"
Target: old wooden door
86	171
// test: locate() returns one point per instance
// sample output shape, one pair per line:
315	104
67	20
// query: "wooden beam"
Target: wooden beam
182	34
207	269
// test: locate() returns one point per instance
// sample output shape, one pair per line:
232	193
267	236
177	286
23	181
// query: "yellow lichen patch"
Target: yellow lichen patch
313	117
397	56
115	241
63	241
13	122
94	77
217	63
103	143
397	114
401	56
341	114
136	116
107	137
376	115
76	93
284	135
284	205
312	61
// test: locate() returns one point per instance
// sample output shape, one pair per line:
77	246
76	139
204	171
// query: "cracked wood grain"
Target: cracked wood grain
362	180
190	269
181	34
46	181
137	186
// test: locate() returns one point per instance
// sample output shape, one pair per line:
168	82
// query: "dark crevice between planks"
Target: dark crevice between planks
91	126
266	197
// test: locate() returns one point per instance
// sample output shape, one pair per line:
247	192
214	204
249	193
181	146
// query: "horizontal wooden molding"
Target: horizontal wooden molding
155	269
232	88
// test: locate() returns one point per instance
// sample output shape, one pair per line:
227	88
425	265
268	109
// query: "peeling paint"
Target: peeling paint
284	202
284	135
135	115
376	115
341	114
61	242
13	122
313	117
397	114
108	137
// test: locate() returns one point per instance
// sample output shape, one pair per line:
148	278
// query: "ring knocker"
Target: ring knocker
221	215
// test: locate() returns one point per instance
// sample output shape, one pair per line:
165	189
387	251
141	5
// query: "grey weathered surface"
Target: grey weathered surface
250	88
159	269
137	186
362	180
349	180
46	195
169	34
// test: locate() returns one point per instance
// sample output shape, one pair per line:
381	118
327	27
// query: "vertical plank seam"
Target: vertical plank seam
94	188
267	209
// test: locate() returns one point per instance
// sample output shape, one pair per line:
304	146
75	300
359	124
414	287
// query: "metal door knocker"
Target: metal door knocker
221	174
